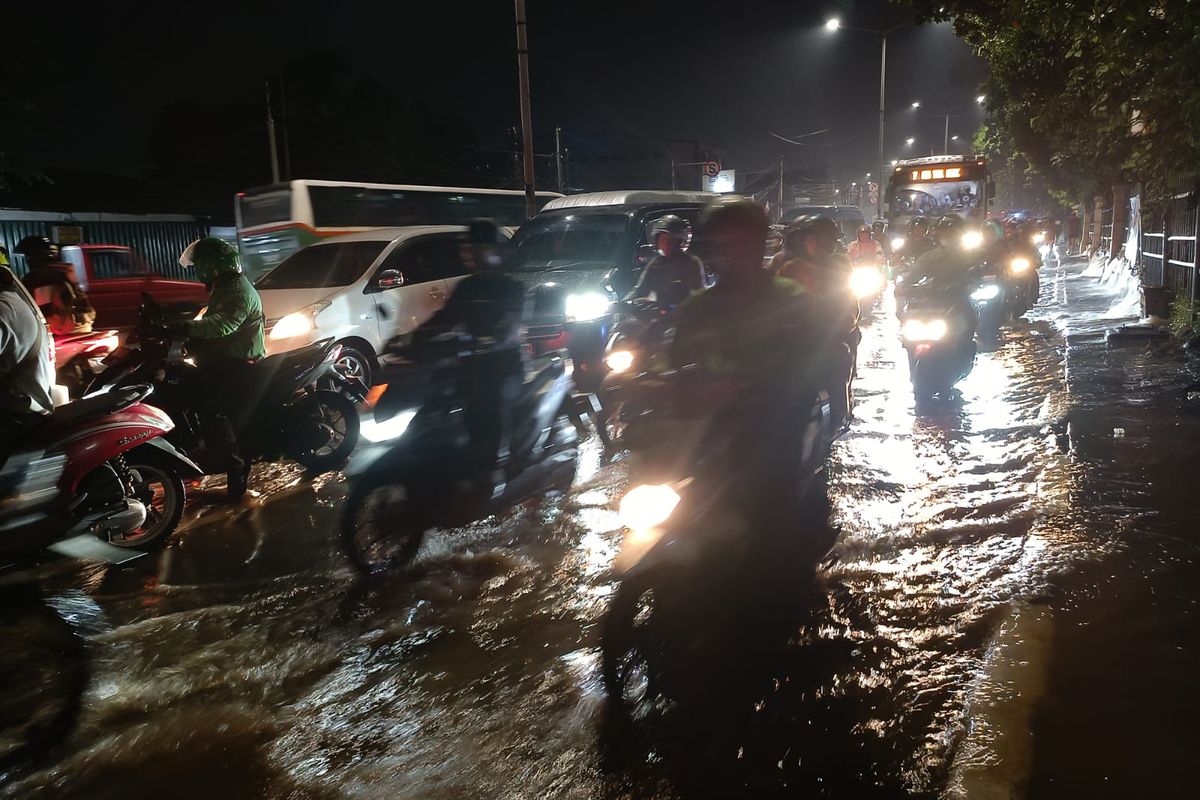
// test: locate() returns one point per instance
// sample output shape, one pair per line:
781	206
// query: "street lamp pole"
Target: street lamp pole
882	117
526	116
946	141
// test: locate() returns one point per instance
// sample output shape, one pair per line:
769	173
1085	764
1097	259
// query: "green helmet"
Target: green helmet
211	257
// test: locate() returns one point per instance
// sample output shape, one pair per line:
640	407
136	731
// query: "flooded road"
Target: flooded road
1011	612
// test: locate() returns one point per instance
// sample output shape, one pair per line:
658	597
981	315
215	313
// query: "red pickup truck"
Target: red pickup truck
114	278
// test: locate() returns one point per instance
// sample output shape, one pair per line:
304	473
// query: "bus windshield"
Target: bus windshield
962	198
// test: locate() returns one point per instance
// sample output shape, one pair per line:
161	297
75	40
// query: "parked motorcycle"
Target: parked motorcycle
296	416
78	357
417	473
938	331
720	473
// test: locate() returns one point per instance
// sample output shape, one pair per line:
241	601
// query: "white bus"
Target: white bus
275	221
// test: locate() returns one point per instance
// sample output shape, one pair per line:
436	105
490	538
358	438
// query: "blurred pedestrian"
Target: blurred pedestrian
1074	233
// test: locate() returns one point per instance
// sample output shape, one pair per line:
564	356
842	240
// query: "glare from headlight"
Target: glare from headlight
865	281
587	307
986	292
1020	264
919	330
1039	237
647	506
898	242
972	240
391	428
297	323
619	360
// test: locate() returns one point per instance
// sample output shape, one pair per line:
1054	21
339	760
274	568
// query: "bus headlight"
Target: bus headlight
587	307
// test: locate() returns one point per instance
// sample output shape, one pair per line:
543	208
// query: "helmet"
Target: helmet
672	226
733	231
949	223
211	257
918	223
34	247
878	226
3	256
485	231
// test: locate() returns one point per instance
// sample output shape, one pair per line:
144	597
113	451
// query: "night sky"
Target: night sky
723	73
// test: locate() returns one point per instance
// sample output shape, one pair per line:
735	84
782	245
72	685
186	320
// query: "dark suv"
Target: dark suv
580	255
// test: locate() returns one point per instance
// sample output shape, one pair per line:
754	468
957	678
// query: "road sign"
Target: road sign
712	169
723	182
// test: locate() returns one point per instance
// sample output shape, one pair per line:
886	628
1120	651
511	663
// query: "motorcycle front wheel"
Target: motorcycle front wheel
324	430
46	671
627	645
380	531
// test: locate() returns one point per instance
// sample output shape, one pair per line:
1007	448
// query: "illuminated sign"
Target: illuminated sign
939	174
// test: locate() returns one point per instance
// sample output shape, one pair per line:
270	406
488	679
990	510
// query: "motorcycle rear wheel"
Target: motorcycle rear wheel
379	531
160	488
626	660
327	430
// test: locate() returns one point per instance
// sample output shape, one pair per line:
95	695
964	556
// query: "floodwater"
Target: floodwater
1010	612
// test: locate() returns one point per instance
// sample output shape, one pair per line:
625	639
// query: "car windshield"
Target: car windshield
580	238
323	266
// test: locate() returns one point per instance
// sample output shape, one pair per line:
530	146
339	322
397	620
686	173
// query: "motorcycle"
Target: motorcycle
79	356
868	277
296	416
417	472
635	351
938	331
707	490
124	478
990	300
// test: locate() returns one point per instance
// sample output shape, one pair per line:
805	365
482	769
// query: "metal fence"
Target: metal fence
1168	247
158	240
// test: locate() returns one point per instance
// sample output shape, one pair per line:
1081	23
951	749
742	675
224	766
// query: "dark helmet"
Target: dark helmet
733	230
35	246
676	227
211	257
918	224
878	226
949	223
485	231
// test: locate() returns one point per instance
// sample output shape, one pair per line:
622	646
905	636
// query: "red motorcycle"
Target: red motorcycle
76	356
124	480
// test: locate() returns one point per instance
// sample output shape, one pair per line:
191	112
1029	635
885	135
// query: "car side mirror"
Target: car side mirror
389	279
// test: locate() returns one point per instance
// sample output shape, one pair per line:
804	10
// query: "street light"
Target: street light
954	138
835	24
916	104
909	141
895	161
981	98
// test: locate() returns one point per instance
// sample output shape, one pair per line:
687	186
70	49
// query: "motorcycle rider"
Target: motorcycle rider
879	234
919	240
488	305
226	344
55	286
865	247
670	235
26	360
946	262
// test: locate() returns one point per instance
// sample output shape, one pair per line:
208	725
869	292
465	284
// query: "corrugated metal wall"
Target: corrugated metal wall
159	242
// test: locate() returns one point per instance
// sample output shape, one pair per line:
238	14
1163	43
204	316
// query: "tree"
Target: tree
1088	92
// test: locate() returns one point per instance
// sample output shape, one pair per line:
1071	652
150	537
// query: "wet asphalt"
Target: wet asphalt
1010	612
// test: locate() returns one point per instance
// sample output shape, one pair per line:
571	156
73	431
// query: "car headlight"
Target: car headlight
297	323
1020	264
988	291
619	360
384	431
920	330
865	281
972	239
647	506
587	307
898	242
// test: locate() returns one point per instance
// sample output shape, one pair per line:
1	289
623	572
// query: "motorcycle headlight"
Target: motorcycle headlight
1039	237
1020	264
972	240
988	291
619	360
898	242
921	330
297	323
865	281
587	307
384	431
647	506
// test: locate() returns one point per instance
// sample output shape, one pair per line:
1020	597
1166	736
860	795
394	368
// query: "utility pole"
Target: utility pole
287	150
271	137
882	114
558	167
672	173
946	144
526	114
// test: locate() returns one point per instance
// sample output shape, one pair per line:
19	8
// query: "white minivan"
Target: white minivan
361	289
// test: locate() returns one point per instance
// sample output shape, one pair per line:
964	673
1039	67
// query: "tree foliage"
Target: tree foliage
1071	79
